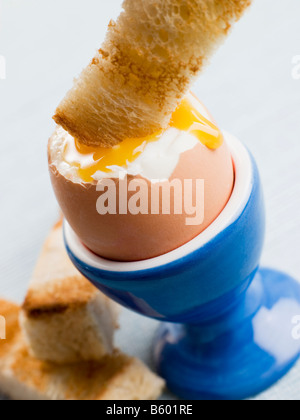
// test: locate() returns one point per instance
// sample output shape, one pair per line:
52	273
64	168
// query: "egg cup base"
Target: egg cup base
237	355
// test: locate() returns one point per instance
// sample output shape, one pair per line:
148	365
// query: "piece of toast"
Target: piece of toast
64	317
23	377
146	65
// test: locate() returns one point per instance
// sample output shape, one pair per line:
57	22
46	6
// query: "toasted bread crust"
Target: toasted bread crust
62	287
23	376
64	318
70	293
146	65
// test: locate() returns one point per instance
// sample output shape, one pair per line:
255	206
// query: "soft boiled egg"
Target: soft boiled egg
144	197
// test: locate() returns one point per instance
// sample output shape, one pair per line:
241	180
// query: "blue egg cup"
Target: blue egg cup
229	327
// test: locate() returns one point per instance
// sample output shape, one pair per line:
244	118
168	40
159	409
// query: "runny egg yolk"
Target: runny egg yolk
89	160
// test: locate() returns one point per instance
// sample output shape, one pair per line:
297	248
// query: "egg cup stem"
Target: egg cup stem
237	354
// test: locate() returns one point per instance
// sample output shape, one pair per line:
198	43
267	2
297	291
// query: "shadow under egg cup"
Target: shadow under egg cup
229	328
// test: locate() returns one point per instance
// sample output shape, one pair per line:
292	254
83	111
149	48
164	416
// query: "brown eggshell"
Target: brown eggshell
138	237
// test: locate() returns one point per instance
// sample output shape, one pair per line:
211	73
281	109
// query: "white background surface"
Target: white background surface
248	87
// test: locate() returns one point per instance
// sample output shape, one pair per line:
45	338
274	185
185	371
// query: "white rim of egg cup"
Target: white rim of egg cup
236	204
